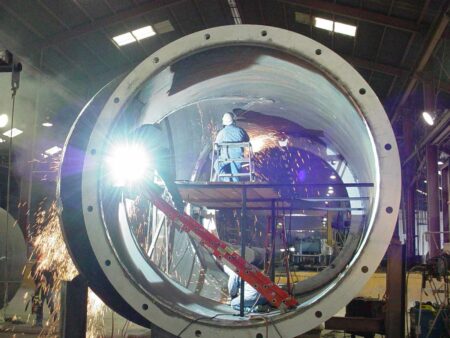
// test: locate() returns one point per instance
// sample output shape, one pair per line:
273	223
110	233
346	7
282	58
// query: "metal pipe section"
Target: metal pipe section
434	240
13	257
189	84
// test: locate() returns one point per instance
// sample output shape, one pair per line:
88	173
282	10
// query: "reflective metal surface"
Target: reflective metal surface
279	82
12	257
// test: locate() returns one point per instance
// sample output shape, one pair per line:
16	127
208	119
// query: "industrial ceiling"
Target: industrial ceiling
68	52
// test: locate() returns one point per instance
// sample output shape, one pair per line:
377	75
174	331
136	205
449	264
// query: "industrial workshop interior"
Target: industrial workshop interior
224	168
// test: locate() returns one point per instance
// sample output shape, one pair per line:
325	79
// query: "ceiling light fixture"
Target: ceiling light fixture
3	120
323	24
124	39
335	26
143	33
163	27
345	29
13	132
428	117
53	150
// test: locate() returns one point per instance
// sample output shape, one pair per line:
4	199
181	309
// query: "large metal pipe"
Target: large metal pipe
188	84
13	256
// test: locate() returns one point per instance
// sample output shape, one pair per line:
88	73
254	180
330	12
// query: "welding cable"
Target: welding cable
275	327
265	321
254	304
201	318
125	328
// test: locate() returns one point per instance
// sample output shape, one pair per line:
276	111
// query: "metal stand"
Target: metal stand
243	244
225	146
273	230
72	323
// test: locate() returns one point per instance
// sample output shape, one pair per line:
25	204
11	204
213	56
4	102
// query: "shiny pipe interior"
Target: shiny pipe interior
271	92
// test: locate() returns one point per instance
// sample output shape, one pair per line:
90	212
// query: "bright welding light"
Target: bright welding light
128	164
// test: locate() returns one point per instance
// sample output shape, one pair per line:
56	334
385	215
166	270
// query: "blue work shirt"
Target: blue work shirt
234	284
232	134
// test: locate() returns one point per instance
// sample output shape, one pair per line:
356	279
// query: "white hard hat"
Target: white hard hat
227	119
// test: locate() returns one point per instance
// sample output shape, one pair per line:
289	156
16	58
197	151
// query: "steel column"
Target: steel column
74	294
395	289
409	188
433	200
426	53
445	203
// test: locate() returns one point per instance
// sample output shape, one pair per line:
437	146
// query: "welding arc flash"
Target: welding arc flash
128	164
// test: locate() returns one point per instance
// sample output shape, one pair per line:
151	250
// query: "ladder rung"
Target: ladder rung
234	175
237	160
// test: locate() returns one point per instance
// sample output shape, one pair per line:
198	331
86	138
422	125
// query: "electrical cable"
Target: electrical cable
275	327
265	322
201	318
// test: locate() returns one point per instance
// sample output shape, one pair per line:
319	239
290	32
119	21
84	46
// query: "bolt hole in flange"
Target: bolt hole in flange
273	95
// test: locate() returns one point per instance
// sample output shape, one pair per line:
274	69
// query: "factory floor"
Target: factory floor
111	325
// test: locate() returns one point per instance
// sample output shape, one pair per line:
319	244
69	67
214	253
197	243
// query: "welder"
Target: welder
230	133
253	300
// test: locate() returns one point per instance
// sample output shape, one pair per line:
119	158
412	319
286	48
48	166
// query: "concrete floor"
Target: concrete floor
112	324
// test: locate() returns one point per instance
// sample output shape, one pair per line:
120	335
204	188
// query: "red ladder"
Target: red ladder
250	274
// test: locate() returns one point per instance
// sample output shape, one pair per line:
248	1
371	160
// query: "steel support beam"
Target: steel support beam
132	13
395	289
427	52
378	67
436	136
409	189
357	13
433	200
74	294
445	202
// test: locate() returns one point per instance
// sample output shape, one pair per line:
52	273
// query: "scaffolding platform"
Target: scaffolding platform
219	195
258	196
